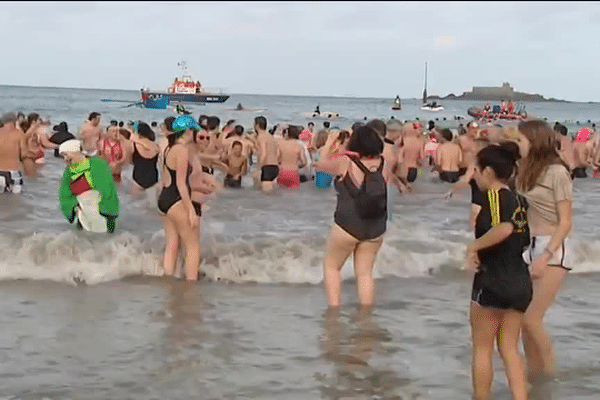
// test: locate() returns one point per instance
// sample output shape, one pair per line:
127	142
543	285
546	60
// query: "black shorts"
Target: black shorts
412	174
490	293
449	176
268	173
579	172
232	183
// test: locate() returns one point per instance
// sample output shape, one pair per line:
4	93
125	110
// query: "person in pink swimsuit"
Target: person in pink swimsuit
112	150
291	158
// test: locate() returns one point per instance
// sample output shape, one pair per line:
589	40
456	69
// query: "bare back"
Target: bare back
449	157
267	145
413	152
89	136
292	154
467	146
12	143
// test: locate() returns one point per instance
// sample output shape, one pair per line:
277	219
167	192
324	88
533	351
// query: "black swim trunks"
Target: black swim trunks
269	173
449	176
231	182
412	174
579	172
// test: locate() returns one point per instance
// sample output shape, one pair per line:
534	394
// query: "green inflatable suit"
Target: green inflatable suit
88	195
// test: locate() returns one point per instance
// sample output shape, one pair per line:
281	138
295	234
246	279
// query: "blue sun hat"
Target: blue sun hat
184	122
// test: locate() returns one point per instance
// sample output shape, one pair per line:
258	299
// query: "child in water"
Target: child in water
502	287
237	164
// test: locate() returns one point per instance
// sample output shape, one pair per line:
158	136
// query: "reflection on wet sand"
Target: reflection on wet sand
357	350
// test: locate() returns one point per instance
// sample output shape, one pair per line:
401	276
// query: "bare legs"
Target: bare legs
339	247
487	326
178	230
536	341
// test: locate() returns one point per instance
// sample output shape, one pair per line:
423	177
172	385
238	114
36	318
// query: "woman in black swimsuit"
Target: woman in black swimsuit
144	157
354	232
181	216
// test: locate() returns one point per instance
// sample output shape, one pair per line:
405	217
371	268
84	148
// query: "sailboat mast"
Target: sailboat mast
425	89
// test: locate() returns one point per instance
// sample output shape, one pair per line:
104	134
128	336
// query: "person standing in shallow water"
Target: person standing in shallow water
174	201
502	286
545	182
357	229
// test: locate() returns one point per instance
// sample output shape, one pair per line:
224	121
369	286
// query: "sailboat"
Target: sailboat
397	104
433	106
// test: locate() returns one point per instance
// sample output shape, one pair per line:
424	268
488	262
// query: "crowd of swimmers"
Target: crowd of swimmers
520	177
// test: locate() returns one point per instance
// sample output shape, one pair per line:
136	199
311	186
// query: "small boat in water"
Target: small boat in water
397	104
185	90
433	106
495	113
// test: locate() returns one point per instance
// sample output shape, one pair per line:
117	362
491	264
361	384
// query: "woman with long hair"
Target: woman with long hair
544	180
361	213
174	201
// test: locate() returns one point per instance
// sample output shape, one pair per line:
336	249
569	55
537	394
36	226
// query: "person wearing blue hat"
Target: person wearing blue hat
181	219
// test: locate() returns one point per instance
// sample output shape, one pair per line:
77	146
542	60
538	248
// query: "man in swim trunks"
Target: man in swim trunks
391	165
291	159
12	146
413	151
90	133
448	156
268	154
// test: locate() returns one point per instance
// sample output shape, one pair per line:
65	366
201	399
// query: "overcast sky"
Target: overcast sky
374	49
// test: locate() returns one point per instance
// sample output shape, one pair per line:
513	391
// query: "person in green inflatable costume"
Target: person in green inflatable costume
88	194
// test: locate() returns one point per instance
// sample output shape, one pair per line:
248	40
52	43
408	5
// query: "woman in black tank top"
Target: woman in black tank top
356	231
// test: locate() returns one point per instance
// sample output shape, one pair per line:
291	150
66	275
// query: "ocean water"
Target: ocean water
89	316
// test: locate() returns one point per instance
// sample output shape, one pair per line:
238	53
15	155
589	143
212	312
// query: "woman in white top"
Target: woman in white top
545	182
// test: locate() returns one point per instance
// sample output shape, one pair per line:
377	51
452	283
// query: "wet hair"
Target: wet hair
446	134
121	124
543	152
93	115
230	122
125	133
431	125
154	124
321	138
343	135
200	118
356	125
145	131
293	132
311	124
366	142
326	124
562	130
169	123
261	122
502	159
114	122
378	126
30	120
212	123
238	130
236	143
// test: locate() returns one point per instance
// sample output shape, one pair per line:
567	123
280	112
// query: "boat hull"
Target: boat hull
432	108
187	97
478	113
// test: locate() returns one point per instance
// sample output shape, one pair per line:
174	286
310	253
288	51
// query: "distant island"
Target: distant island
496	93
